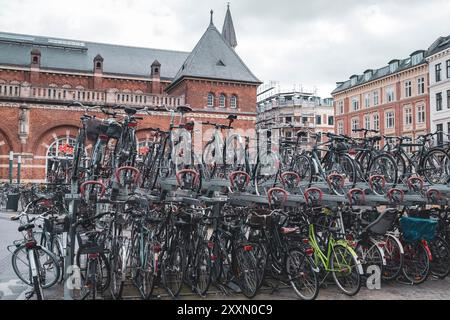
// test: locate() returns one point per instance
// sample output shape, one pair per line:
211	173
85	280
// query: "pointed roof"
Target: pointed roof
213	58
228	29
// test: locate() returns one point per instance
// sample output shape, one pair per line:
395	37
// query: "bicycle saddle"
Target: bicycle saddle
27	226
183	109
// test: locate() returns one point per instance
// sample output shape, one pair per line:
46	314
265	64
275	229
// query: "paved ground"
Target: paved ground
11	288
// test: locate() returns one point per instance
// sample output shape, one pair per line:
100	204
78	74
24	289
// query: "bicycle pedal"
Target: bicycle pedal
29	295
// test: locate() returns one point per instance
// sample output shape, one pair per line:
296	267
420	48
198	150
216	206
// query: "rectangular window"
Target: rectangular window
367	100
438	72
390	94
421	86
318	120
288	119
448	99
448	130
408	116
375	98
355	124
340	127
408	89
376	122
448	69
341	107
440	134
390	120
439	101
421	114
355	104
330	120
367	122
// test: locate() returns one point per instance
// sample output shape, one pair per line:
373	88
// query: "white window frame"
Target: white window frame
390	117
421	116
355	104
376	98
355	123
376	121
408	116
367	122
210	100
367	100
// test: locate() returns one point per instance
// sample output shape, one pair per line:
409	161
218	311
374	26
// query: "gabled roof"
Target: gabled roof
204	61
78	56
228	32
440	44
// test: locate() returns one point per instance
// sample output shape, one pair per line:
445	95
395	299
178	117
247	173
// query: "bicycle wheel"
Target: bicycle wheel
246	272
103	269
260	253
384	165
117	270
302	277
370	255
416	266
435	167
393	253
172	270
202	269
149	270
440	264
344	266
302	165
49	269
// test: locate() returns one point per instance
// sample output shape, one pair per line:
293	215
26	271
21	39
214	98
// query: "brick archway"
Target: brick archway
44	142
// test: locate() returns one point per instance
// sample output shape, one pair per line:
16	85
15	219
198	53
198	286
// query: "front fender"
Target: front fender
345	244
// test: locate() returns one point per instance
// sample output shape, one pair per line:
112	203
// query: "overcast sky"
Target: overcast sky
314	43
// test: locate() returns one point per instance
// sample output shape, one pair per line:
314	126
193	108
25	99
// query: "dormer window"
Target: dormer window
353	80
220	63
393	66
35	59
367	75
417	58
98	63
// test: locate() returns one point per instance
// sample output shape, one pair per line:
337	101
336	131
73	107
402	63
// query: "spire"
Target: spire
211	21
228	29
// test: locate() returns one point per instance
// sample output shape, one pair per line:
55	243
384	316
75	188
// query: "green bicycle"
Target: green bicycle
339	259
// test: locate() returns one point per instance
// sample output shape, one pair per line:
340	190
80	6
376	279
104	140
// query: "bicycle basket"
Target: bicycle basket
114	130
93	128
416	229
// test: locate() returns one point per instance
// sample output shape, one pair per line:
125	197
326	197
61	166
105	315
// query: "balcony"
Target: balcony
100	97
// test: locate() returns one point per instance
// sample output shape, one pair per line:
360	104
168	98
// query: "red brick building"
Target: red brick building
40	76
393	99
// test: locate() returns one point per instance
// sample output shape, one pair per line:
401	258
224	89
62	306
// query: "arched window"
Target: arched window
60	154
98	65
210	100
233	102
222	99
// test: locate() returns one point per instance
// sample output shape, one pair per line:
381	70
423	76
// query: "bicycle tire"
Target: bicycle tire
300	267
440	251
334	264
26	280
